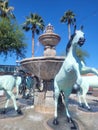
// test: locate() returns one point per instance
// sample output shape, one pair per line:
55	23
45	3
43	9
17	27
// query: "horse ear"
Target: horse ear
81	27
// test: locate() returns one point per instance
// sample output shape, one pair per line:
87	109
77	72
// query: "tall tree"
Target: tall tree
6	10
34	23
69	18
12	39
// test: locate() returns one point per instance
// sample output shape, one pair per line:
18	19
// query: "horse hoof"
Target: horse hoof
17	99
89	109
27	97
3	111
81	105
73	128
69	119
24	97
55	121
19	112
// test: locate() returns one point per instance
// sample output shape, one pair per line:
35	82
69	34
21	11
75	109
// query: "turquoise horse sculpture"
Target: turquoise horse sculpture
24	81
87	81
69	74
7	83
30	85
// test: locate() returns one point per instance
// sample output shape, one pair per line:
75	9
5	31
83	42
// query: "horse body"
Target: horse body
69	74
7	83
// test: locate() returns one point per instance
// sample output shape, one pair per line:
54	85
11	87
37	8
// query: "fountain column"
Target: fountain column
49	40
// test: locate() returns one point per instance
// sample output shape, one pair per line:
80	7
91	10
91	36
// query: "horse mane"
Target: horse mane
69	43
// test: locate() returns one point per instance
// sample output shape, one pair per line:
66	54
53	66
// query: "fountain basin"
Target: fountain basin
43	67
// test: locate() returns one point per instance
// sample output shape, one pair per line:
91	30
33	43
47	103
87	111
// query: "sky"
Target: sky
51	11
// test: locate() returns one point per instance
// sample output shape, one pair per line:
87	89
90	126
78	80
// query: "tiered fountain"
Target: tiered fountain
45	67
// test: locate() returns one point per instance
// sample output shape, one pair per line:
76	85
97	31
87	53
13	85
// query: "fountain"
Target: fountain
45	67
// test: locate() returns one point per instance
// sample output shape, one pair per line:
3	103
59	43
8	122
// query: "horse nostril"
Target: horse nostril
82	39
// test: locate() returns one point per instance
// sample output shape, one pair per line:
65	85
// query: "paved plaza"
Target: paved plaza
33	120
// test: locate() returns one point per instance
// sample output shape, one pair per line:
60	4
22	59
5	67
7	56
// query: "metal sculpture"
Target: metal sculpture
30	83
87	81
7	83
24	81
68	74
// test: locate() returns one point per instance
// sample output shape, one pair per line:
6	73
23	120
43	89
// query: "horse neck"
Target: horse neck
72	52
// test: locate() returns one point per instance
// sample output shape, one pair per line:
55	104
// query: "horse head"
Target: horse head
79	37
76	39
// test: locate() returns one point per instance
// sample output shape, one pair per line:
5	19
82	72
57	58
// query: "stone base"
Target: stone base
1	93
44	109
44	102
95	92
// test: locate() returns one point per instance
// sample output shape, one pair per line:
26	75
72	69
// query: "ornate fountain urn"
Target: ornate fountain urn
45	67
49	39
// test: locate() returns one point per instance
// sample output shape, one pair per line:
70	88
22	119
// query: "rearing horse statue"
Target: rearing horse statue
87	81
69	73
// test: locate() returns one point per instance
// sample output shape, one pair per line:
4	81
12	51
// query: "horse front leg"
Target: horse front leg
5	108
69	118
86	70
56	96
79	99
31	95
17	92
6	104
66	108
86	104
14	102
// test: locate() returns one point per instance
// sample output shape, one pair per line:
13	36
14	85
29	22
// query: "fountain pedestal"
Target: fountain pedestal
44	104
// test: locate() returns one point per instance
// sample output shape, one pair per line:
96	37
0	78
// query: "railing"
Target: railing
7	69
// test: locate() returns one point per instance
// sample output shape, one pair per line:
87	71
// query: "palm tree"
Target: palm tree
69	18
34	23
6	10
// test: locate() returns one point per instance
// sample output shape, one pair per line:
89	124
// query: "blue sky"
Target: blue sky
51	11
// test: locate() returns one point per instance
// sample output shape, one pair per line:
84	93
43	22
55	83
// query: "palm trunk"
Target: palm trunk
69	32
32	44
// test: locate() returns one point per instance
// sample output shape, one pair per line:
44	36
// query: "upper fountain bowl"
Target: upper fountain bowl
49	38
